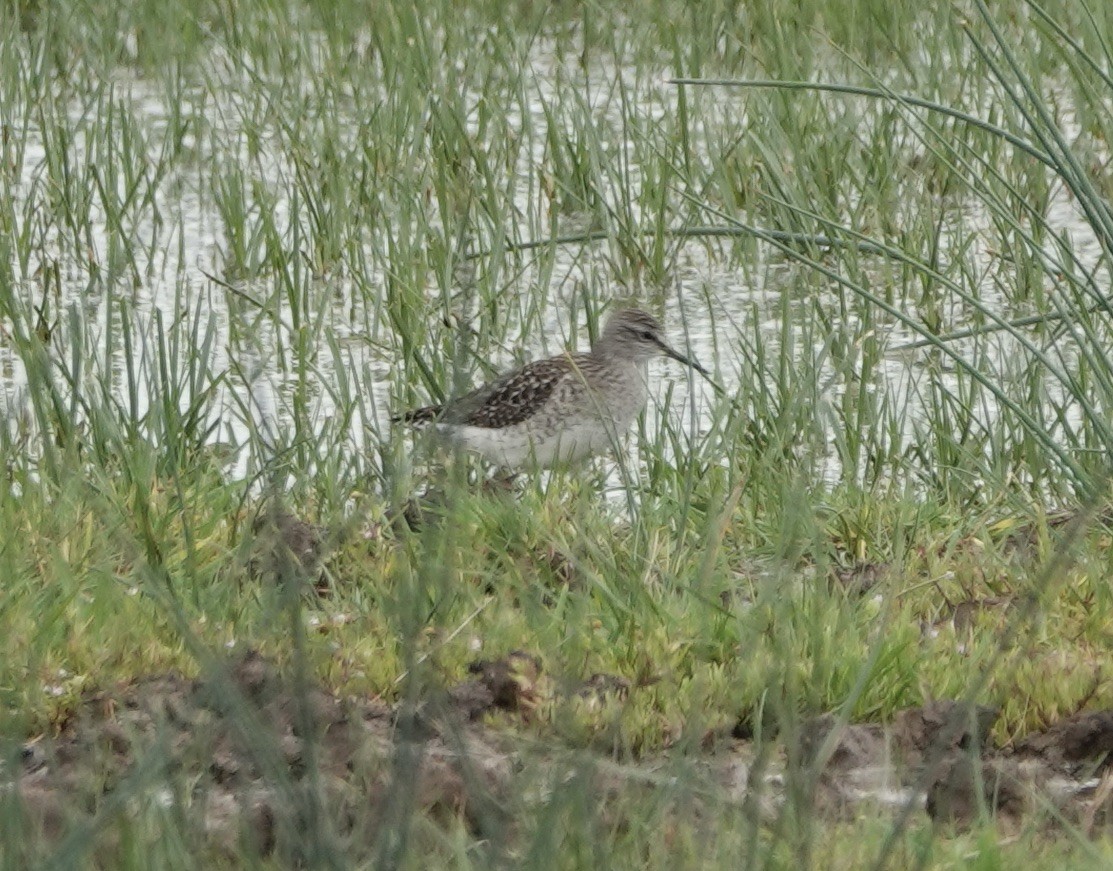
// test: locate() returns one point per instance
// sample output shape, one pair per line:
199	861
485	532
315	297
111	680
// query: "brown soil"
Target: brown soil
939	755
260	758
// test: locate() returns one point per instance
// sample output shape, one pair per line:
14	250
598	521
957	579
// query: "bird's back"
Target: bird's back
514	397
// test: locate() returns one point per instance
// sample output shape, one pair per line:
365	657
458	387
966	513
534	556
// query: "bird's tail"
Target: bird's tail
428	414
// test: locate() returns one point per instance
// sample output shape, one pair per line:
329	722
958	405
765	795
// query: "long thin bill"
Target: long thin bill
680	358
687	361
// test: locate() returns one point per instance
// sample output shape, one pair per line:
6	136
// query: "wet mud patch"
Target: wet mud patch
940	757
253	759
256	761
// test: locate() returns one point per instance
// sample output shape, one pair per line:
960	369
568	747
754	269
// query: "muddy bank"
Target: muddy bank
939	758
258	761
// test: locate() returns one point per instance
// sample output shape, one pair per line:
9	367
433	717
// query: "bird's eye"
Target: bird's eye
647	335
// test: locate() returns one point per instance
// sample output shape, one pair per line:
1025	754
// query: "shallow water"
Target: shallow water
714	305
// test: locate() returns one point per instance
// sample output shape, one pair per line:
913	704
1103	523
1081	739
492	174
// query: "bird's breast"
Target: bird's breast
625	396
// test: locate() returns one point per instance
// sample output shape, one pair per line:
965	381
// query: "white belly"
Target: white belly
520	446
571	427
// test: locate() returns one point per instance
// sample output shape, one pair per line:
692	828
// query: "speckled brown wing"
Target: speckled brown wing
514	397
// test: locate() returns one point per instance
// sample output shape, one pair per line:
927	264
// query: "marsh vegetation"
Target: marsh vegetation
235	238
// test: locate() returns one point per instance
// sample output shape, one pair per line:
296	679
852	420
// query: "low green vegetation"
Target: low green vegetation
236	237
